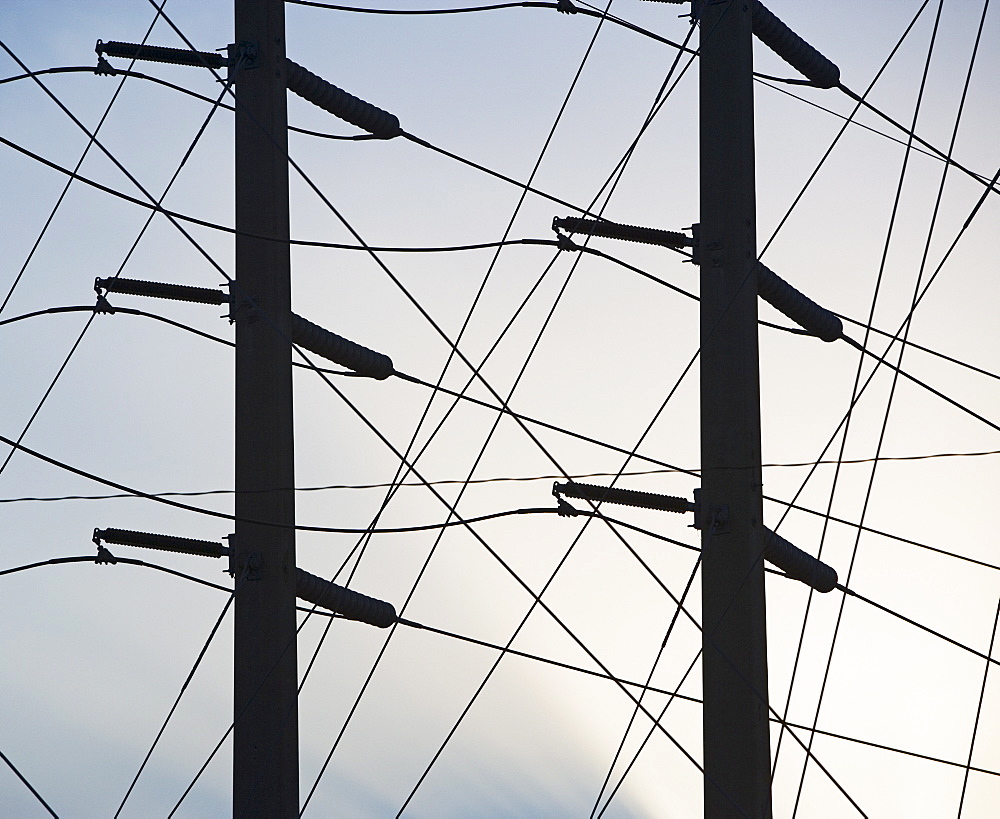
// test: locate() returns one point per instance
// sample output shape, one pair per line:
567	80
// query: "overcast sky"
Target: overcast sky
94	656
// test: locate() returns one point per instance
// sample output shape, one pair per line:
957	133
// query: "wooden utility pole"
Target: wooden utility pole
736	730
265	736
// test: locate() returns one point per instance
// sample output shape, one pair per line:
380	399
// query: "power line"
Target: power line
180	694
28	785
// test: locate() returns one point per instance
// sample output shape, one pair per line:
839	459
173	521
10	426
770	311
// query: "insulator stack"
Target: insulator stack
166	543
798	564
351	604
340	350
162	290
162	54
793	49
626	497
339	103
797	306
627	233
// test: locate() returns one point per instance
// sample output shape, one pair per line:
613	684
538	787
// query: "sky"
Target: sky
95	656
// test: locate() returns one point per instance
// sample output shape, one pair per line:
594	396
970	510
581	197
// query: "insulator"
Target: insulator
628	233
161	290
340	350
798	564
339	103
162	54
626	497
797	306
793	49
351	604
166	543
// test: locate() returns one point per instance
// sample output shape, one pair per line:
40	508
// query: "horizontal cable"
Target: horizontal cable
527	419
499	478
677	695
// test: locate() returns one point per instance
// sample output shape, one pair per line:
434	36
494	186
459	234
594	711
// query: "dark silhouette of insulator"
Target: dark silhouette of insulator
161	290
351	604
339	103
793	49
162	54
628	233
798	564
340	350
794	562
166	543
797	306
626	497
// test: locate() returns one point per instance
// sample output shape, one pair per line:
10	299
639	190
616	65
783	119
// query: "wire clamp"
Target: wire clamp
564	509
104	557
103	305
565	243
104	68
565	7
243	56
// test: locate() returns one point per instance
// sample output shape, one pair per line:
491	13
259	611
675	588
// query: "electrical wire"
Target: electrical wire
94	141
645	688
495	479
184	686
979	712
510	223
28	785
91	558
934	632
79	164
662	94
917	108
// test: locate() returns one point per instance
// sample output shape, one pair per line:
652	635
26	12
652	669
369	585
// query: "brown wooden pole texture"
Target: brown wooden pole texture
735	721
265	736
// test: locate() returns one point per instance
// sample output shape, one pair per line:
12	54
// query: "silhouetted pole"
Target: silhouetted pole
265	737
736	733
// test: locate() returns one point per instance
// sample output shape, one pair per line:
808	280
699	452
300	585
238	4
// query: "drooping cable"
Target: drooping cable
94	141
79	164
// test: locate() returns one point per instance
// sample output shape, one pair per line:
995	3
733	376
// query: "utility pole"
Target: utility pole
265	735
735	721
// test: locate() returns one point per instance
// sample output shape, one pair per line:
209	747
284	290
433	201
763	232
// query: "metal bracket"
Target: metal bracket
245	55
716	518
696	246
239	309
247	565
